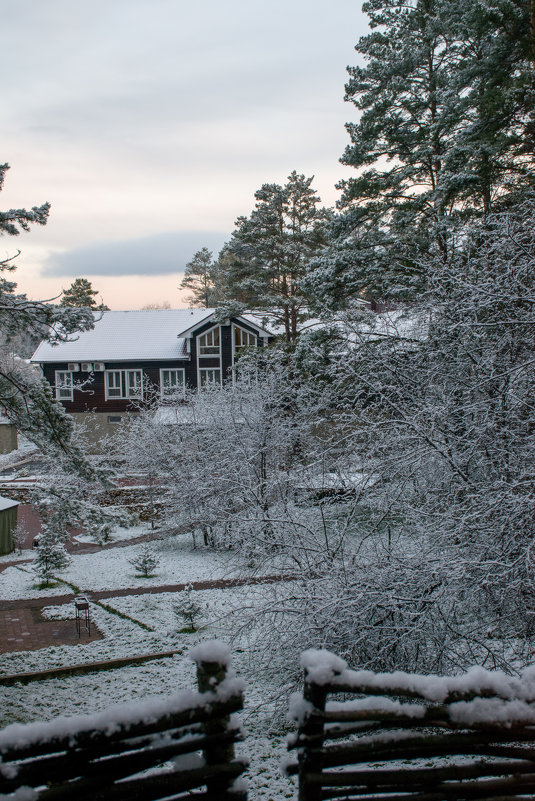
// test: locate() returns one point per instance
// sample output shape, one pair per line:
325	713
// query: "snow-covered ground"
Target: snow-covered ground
119	621
110	569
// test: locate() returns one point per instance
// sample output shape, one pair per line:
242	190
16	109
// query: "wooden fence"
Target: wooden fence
400	736
162	748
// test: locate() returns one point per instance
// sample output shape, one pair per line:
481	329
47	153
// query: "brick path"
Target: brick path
23	627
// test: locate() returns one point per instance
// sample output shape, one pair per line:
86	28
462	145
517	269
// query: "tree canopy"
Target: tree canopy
445	133
81	295
25	397
271	251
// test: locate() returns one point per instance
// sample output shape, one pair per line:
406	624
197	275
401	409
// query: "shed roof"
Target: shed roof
7	503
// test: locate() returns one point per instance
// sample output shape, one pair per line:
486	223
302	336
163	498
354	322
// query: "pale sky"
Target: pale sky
149	124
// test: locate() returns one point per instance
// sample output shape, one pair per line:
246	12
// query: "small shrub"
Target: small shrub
188	611
51	558
145	562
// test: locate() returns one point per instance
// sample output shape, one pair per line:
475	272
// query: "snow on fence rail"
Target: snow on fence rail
154	749
400	736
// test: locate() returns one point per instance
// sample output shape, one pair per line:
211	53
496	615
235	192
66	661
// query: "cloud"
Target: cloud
159	254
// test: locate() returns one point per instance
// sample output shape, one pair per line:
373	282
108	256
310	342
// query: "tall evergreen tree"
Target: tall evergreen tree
271	251
200	276
26	398
81	295
445	133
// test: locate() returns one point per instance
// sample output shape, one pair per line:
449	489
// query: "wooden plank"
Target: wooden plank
84	667
91	738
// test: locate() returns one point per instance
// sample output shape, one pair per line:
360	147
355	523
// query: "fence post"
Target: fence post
310	757
210	675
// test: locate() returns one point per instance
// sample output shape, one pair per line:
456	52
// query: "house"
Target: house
130	355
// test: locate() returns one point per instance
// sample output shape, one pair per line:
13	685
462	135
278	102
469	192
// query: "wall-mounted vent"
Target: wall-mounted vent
87	367
73	368
98	367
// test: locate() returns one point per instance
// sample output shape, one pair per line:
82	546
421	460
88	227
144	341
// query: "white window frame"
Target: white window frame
237	348
179	390
209	337
124	387
138	386
107	387
64	385
209	382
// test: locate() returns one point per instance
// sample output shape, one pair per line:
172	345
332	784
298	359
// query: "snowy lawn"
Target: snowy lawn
124	637
110	569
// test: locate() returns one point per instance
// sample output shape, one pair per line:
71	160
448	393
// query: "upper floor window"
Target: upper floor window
172	383
124	384
209	343
243	339
64	385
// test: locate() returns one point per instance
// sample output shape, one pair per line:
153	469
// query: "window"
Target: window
209	376
134	384
124	384
172	383
243	339
114	384
114	418
64	385
209	343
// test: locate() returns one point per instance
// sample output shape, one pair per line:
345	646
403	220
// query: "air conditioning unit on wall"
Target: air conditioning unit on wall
98	367
73	368
87	367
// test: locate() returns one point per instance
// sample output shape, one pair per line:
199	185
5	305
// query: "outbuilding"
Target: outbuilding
8	524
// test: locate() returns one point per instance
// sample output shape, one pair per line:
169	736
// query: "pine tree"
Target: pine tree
145	562
26	398
271	250
445	133
51	557
9	220
200	278
81	295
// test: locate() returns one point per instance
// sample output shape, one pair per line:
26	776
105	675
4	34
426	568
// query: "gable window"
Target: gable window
243	339
209	343
64	385
172	383
124	384
209	376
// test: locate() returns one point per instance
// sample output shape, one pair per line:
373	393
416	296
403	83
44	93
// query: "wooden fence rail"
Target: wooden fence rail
154	749
398	737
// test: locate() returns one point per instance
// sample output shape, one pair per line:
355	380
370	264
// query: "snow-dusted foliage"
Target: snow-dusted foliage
271	250
145	561
441	409
442	132
26	398
51	557
224	463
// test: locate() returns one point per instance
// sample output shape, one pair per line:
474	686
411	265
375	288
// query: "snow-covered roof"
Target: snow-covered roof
127	336
132	336
7	503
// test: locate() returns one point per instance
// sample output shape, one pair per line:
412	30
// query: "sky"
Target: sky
149	125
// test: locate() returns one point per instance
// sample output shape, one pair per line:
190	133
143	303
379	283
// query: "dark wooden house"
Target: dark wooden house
131	355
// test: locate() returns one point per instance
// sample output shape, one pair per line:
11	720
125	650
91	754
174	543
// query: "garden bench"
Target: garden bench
159	748
399	736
